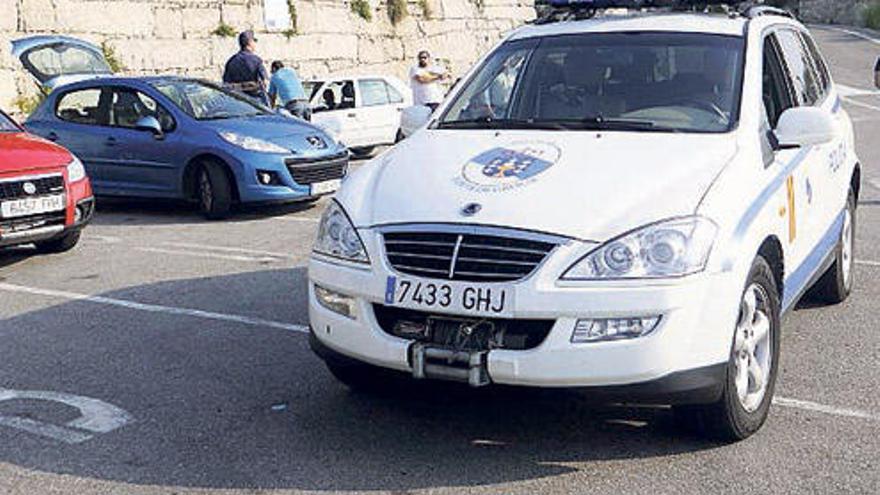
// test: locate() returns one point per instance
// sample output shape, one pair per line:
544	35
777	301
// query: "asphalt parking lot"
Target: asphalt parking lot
183	341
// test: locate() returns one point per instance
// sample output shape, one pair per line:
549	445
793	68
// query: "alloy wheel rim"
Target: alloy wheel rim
752	348
205	192
847	248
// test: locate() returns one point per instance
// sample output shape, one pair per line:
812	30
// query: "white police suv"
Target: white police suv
626	204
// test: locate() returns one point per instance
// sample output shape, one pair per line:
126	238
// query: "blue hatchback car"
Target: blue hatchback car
178	138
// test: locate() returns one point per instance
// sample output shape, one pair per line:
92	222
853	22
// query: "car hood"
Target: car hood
25	153
284	131
586	185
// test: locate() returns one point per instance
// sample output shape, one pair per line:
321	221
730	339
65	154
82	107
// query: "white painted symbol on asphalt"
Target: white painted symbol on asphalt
96	417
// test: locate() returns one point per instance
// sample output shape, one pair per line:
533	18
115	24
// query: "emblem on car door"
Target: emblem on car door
29	188
471	209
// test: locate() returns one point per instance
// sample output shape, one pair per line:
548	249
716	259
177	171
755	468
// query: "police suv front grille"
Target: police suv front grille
15	189
466	257
463	334
311	171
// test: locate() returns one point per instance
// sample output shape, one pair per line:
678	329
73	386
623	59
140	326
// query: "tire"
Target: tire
213	191
836	284
60	245
363	152
743	408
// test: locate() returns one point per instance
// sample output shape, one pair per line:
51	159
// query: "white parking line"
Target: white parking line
860	104
193	254
154	308
854	33
296	219
868	263
227	249
846	91
822	408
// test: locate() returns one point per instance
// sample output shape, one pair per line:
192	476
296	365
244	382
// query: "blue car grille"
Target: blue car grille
44	185
311	171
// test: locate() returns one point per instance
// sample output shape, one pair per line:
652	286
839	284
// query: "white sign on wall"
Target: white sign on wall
276	15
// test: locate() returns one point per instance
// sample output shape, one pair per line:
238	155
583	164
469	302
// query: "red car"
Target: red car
45	196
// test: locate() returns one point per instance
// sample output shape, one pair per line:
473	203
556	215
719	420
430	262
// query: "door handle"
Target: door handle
111	141
52	136
351	115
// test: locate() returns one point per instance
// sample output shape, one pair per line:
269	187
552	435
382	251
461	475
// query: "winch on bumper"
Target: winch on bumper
681	361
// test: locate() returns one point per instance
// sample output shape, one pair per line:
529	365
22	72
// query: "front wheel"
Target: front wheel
214	191
751	369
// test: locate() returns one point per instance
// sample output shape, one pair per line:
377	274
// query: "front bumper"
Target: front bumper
73	221
681	357
285	187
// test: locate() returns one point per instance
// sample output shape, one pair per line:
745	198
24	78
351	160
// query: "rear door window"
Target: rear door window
822	73
82	107
373	92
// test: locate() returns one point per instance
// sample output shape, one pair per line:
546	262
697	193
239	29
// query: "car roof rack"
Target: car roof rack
551	11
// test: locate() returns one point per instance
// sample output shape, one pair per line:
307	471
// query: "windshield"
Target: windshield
7	125
644	81
204	101
311	88
63	59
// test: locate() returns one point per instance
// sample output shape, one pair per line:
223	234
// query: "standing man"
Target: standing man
286	90
425	81
244	71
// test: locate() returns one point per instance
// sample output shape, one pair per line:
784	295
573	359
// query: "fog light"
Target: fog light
336	302
600	330
268	178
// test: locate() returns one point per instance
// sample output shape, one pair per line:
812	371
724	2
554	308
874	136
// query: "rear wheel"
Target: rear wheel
64	243
836	284
214	191
752	367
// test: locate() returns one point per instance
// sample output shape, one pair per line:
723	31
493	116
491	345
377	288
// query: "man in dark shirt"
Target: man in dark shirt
244	71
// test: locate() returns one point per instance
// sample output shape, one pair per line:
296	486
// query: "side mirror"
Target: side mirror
414	118
150	124
804	126
877	74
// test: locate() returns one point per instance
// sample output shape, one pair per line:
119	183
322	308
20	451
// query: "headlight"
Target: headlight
75	170
337	236
672	248
252	143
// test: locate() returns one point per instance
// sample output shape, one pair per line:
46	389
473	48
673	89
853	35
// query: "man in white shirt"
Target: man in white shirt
425	81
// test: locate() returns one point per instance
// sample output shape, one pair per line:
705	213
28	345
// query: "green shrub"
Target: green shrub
426	9
27	104
224	30
362	9
111	57
397	11
872	15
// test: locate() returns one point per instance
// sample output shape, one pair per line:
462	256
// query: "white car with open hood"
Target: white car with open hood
626	205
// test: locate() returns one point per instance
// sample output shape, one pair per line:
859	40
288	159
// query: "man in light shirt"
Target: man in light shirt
425	81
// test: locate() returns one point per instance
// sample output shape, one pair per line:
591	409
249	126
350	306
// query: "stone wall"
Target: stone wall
175	36
827	11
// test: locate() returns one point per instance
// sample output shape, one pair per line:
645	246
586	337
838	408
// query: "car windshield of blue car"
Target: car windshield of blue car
634	81
204	101
7	125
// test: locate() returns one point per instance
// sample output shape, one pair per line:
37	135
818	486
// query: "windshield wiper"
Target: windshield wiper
491	123
600	123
